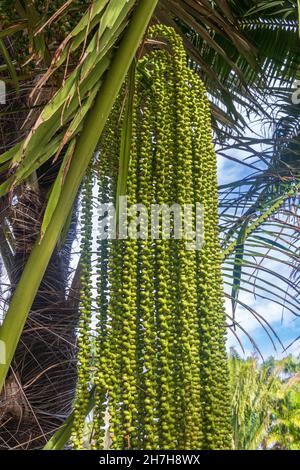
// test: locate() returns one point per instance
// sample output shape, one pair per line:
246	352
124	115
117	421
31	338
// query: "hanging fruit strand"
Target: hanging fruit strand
186	257
218	366
124	336
101	314
147	324
214	390
84	346
106	169
162	247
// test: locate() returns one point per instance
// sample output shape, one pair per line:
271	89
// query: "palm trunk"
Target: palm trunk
39	388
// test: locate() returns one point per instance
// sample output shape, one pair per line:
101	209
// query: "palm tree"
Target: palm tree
285	430
251	390
265	403
68	76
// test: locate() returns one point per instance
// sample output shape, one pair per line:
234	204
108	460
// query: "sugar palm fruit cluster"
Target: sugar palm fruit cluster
6	12
11	10
69	19
161	367
36	13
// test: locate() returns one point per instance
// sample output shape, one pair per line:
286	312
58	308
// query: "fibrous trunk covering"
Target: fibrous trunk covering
160	367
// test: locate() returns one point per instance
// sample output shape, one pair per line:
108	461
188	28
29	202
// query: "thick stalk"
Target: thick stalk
34	270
